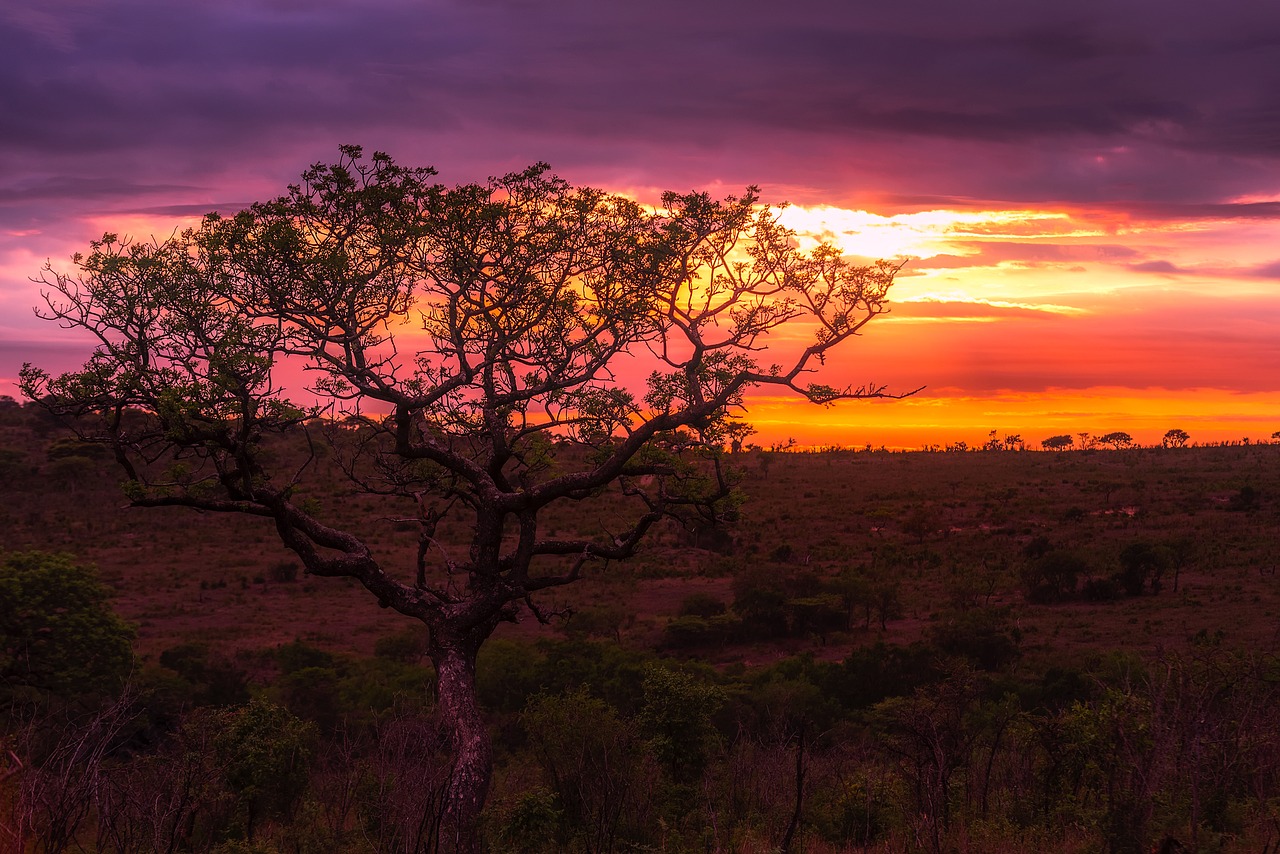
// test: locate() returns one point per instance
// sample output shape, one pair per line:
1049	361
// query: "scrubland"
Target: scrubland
977	651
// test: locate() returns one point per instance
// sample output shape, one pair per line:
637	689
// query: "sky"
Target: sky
1087	194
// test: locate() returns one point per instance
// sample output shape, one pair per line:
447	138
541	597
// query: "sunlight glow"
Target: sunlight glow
1031	321
921	234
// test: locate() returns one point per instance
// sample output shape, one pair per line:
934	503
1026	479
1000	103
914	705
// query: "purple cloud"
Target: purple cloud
806	94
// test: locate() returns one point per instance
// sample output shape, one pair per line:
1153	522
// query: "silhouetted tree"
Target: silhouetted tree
1175	438
737	432
496	325
1116	440
1057	443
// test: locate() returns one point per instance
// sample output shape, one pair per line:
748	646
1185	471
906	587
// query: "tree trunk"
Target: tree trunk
796	814
472	753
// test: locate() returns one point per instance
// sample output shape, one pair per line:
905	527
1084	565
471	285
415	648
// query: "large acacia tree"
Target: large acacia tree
507	346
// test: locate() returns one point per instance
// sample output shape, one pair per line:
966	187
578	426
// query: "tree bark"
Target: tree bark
472	752
796	814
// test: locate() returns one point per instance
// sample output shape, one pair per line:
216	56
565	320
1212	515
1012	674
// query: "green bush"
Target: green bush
703	605
1053	575
211	681
407	646
58	633
985	637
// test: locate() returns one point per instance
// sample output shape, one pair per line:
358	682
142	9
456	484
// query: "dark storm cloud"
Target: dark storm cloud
1163	102
71	187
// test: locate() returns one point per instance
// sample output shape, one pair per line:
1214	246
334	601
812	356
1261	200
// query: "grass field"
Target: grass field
937	651
952	529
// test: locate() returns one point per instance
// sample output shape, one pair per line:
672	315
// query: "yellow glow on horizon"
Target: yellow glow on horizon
945	416
991	297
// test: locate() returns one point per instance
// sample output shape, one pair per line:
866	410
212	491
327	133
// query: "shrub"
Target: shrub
1246	500
58	633
210	681
406	646
1142	563
703	605
1101	589
986	637
1053	576
285	571
690	632
264	752
298	655
760	599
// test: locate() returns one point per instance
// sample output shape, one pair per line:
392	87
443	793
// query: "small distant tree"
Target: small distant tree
1014	442
921	522
1143	565
1053	575
1057	443
737	432
1116	440
1175	438
488	326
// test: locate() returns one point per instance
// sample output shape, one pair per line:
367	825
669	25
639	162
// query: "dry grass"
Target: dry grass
951	526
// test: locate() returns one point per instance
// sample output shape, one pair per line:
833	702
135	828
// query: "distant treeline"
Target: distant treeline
1117	440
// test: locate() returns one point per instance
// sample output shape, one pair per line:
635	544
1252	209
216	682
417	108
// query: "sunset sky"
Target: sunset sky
1088	192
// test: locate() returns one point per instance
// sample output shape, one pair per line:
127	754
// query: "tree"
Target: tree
1143	563
486	337
263	751
1175	438
58	634
1116	440
1053	575
1057	443
737	432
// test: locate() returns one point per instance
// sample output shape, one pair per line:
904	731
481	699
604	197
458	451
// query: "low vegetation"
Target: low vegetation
990	651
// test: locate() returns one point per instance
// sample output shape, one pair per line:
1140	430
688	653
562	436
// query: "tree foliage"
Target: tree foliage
498	348
1117	440
58	634
487	322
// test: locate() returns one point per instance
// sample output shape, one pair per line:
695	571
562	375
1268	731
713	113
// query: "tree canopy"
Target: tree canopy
58	634
497	348
1117	440
469	328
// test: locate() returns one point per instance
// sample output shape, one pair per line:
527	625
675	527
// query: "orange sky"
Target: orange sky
1089	193
1032	322
1040	322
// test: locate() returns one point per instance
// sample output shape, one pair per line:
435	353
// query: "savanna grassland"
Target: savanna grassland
977	651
